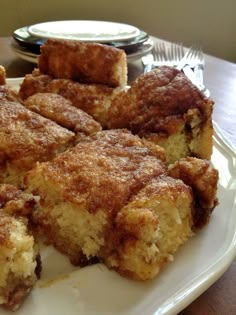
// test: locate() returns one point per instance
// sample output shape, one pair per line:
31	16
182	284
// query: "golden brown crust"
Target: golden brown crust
104	170
59	109
94	99
83	62
26	138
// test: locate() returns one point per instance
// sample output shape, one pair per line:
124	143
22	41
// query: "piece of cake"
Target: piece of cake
83	62
94	99
198	174
59	109
6	91
112	200
32	83
19	256
165	107
2	75
27	137
147	231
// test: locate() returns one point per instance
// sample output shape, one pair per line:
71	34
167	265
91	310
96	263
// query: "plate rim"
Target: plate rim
42	34
33	43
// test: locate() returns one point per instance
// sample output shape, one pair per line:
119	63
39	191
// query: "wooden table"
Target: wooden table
220	78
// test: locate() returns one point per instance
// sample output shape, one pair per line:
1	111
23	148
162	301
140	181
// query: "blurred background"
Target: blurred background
210	24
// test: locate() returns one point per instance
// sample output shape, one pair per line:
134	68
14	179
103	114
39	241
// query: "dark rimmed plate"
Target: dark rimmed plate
32	43
24	39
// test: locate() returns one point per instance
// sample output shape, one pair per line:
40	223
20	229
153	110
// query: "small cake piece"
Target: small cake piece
26	138
32	83
113	201
94	99
6	91
83	62
59	109
203	179
165	107
19	256
150	228
2	75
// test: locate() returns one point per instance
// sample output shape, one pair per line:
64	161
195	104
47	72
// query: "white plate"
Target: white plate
99	31
95	290
27	55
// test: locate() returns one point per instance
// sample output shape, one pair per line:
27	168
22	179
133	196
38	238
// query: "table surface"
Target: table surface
220	78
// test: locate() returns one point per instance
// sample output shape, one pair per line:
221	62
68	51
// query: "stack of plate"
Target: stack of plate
28	39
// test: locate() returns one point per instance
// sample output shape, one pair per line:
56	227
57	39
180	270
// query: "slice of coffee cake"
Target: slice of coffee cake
110	198
165	107
26	137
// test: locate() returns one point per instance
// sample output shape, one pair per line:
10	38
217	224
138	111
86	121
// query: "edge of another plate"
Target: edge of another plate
24	40
105	31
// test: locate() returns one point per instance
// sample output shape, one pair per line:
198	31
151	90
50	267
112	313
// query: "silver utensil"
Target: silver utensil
186	64
195	60
172	53
148	61
198	71
175	55
163	56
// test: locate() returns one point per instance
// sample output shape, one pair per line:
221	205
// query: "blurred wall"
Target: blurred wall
208	23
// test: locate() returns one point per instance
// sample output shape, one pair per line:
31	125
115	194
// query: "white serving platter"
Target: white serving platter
95	290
